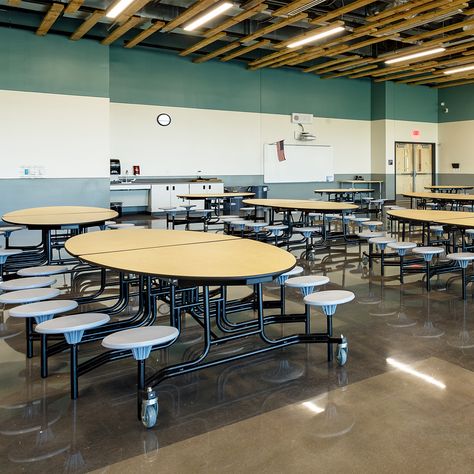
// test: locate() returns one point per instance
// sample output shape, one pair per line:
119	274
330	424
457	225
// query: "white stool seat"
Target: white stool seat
187	206
469	231
202	211
307	281
9	252
460	256
74	322
360	219
372	223
437	228
256	225
368	198
304	230
8	229
247	209
294	271
314	215
382	240
370	234
122	225
43	270
229	218
276	227
27	283
43	308
29	296
329	297
107	223
333	216
402	245
428	250
140	337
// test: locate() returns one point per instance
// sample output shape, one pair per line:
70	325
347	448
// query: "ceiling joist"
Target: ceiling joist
217	52
191	12
73	6
202	43
156	26
121	30
51	16
88	24
246	50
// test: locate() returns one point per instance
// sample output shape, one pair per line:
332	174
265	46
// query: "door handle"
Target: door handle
173	188
167	188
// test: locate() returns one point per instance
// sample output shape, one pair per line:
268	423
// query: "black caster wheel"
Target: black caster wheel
149	413
342	352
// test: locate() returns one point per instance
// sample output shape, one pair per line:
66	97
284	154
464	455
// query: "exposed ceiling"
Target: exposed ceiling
261	34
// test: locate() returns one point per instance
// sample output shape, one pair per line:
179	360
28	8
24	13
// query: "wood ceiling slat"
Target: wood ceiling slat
73	6
156	26
246	50
87	24
202	43
217	52
122	29
340	67
341	11
347	73
191	12
133	8
273	27
459	83
394	10
444	29
443	79
331	63
236	19
14	3
404	74
51	16
259	64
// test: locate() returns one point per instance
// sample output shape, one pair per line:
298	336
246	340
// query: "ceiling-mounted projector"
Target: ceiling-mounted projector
303	135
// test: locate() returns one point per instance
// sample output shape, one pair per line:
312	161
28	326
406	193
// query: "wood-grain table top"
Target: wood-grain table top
357	181
344	190
449	187
52	216
224	260
137	239
423	215
441	196
302	205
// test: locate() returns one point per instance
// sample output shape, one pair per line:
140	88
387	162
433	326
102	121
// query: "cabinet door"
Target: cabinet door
160	197
216	188
177	189
197	188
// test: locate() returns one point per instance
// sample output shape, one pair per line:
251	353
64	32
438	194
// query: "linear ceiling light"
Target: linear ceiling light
118	8
208	16
316	36
459	69
415	55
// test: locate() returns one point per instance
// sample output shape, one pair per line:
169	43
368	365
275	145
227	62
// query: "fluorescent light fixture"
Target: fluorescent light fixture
208	16
415	55
459	69
118	8
316	36
409	370
311	406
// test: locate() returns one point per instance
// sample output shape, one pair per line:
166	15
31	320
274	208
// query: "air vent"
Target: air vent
301	118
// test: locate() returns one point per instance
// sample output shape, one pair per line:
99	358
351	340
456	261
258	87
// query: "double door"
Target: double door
415	167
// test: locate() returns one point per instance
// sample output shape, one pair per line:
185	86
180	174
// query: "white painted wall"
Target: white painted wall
65	135
456	145
223	142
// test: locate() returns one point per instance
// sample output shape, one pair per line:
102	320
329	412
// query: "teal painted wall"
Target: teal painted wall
52	64
150	77
459	101
403	102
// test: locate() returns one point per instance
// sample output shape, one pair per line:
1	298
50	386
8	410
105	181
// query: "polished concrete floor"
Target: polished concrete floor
403	403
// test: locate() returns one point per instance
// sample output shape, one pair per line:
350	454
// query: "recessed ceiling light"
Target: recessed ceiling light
459	69
118	8
316	36
208	16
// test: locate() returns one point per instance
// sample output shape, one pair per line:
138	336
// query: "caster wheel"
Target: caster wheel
342	350
149	413
164	309
365	261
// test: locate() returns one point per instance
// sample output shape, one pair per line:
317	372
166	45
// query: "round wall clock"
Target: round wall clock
163	119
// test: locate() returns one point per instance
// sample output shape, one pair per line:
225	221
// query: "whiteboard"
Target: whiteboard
303	164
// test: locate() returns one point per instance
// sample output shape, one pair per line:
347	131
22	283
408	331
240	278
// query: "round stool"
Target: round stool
437	230
73	328
307	283
4	254
281	279
428	253
40	311
188	207
276	231
29	296
381	244
140	341
401	248
462	259
7	231
372	225
43	270
256	227
27	283
306	231
121	225
328	301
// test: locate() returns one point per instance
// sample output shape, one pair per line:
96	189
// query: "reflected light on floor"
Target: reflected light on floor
313	407
409	370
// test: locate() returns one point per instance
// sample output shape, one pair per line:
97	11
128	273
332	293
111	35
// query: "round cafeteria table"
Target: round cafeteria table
341	194
50	218
186	258
216	197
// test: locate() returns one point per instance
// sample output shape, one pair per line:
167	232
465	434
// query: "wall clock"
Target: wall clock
163	119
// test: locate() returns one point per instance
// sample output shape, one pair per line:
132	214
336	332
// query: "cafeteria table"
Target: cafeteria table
51	218
450	188
354	182
344	194
455	199
211	260
215	200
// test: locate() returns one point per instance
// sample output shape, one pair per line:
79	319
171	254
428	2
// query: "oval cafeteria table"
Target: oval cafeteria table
218	197
452	198
56	217
341	194
449	189
186	258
